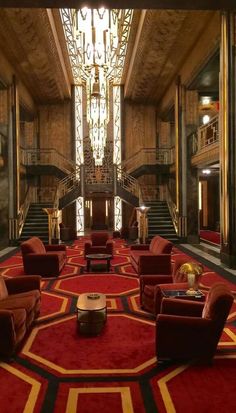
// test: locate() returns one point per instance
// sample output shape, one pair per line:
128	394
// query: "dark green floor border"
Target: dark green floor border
9	254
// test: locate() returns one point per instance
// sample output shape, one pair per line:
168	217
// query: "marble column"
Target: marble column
227	138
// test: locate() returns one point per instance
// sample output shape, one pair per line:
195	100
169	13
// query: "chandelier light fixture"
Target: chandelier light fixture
97	41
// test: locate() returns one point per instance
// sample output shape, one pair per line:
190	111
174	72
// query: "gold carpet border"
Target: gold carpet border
61	310
73	398
27	352
35	386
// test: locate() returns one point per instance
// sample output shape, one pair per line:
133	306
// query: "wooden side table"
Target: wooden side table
98	257
91	313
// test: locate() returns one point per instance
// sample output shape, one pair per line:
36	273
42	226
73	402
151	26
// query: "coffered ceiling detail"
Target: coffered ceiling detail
29	40
166	38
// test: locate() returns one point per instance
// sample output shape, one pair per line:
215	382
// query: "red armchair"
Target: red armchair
45	260
99	244
19	306
151	292
192	330
153	258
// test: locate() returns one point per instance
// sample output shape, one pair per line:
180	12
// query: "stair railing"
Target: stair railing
129	183
172	208
50	156
29	198
67	184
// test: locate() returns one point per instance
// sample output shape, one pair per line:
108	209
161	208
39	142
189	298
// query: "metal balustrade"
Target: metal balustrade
149	156
32	157
209	133
128	182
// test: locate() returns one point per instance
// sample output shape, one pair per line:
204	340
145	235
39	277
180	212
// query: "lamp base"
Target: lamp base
191	291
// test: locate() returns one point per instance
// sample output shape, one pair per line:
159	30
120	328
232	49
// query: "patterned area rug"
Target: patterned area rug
59	370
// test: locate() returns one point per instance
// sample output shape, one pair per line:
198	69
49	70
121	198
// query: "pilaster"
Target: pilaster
227	138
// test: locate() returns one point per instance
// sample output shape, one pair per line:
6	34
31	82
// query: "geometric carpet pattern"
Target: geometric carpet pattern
59	370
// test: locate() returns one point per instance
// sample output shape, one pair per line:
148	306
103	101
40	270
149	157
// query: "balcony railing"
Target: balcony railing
30	157
208	134
149	156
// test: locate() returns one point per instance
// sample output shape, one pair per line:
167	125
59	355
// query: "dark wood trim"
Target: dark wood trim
136	4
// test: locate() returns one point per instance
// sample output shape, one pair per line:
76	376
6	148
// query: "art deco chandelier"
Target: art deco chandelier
97	41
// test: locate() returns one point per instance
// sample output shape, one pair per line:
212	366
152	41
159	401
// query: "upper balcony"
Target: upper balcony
205	144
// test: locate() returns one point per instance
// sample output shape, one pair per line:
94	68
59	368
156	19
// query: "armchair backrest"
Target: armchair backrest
160	245
218	304
32	245
99	238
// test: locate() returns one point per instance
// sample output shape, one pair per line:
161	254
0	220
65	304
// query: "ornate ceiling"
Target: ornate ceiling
166	38
160	40
34	48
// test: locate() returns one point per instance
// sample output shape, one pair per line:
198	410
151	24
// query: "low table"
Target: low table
98	257
91	313
182	294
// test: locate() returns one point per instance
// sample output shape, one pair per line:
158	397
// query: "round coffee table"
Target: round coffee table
98	257
91	313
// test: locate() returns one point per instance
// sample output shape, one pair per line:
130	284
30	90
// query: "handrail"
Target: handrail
67	184
128	182
46	156
34	194
30	195
172	208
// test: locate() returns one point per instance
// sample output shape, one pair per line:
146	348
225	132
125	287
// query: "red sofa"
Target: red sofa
99	244
45	260
19	306
153	258
191	330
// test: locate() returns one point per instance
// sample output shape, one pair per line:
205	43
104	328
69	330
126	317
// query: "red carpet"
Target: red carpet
58	370
210	236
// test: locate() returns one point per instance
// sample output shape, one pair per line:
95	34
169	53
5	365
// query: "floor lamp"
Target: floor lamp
143	223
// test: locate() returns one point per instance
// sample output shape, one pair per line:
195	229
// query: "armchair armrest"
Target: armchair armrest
22	284
109	246
139	247
154	264
146	279
177	323
175	306
55	247
87	246
42	257
6	322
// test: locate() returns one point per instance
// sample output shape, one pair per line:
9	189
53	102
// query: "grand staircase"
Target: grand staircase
160	221
36	223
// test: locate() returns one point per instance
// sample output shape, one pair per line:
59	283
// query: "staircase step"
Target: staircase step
160	221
